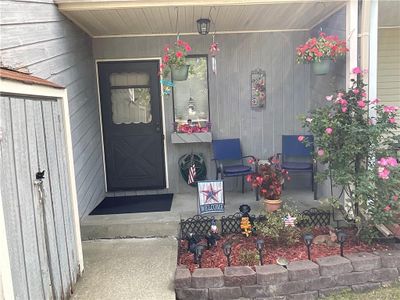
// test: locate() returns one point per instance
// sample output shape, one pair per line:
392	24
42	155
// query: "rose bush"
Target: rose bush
355	144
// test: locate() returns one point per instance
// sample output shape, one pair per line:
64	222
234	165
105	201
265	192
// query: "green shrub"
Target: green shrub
274	226
248	257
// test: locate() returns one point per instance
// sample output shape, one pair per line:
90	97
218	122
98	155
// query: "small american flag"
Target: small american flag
192	174
289	221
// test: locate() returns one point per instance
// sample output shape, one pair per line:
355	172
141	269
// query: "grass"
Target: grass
386	293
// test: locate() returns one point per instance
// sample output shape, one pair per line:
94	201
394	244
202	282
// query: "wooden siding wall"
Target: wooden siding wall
41	237
231	116
35	36
389	66
323	85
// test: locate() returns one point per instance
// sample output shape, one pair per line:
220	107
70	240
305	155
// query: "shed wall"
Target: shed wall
36	37
260	131
39	226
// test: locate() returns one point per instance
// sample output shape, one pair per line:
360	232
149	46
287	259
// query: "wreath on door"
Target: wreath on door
188	160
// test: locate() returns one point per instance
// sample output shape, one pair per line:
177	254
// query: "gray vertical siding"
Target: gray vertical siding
260	131
36	37
324	85
40	235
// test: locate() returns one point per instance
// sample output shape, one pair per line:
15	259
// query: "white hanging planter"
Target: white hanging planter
321	68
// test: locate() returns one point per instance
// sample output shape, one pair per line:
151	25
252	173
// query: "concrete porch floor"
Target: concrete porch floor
162	224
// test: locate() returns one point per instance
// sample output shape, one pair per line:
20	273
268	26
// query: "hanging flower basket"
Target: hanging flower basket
320	51
179	73
174	60
321	67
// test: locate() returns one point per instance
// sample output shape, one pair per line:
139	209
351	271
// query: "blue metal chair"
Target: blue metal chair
297	157
229	161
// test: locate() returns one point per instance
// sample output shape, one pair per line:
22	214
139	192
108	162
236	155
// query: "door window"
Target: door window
130	98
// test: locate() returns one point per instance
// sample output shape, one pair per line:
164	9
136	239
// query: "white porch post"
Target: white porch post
369	47
352	38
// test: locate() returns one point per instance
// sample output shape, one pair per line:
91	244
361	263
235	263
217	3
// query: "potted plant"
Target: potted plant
174	60
269	179
320	51
356	147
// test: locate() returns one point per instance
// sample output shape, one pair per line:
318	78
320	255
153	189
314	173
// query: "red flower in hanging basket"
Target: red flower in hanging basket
323	47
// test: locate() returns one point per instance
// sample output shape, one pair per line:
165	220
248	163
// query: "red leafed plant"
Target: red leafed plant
323	47
269	178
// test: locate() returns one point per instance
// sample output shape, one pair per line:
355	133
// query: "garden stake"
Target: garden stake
198	254
341	235
260	247
308	238
227	251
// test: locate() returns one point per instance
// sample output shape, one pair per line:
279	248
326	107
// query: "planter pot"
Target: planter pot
179	73
321	68
272	205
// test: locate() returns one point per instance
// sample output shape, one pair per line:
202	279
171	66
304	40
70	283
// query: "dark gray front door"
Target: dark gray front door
132	125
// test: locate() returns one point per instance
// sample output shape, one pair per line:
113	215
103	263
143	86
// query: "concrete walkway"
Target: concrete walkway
128	269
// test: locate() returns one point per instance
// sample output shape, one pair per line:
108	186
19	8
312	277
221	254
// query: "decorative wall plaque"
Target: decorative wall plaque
258	92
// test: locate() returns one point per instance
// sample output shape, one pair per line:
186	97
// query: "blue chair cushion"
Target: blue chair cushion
297	166
237	169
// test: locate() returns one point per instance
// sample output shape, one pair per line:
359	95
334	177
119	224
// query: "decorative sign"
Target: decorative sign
258	92
210	196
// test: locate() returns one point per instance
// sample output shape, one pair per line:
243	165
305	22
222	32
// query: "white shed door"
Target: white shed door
40	232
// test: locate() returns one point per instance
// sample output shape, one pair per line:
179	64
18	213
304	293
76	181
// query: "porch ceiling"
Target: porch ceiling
100	18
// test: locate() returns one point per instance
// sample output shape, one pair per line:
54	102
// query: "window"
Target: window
191	96
130	98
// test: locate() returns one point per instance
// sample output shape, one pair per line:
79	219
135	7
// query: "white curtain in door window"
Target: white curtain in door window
130	104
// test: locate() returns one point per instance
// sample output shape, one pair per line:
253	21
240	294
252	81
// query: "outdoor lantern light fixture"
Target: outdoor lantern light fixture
308	238
198	254
260	247
341	236
227	251
203	26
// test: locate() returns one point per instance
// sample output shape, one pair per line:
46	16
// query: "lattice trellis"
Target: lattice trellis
315	217
198	225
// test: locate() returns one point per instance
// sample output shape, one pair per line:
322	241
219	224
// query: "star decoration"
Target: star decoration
289	221
210	195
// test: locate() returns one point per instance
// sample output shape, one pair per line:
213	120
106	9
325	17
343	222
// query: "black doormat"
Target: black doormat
134	204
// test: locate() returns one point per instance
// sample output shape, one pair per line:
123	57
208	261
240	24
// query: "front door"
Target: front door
132	125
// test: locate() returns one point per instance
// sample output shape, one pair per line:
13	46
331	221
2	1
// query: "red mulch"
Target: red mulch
215	258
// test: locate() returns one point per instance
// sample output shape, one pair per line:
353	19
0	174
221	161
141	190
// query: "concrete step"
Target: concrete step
155	224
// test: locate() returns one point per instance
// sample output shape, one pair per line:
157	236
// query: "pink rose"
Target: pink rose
383	173
329	98
300	138
179	54
391	161
343	102
392	120
376	101
395	198
357	70
344	109
321	152
329	130
356	91
361	104
390	109
387	208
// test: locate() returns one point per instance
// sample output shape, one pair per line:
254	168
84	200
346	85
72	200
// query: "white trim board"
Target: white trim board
12	87
101	120
6	282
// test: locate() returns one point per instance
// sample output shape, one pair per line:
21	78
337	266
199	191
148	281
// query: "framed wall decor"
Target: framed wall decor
258	91
210	196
